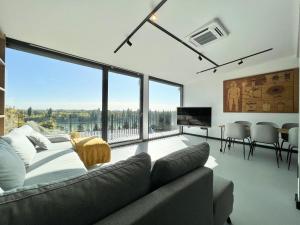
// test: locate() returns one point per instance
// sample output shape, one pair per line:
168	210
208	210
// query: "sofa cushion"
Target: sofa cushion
178	164
39	140
21	144
12	169
82	200
25	130
57	138
222	199
57	163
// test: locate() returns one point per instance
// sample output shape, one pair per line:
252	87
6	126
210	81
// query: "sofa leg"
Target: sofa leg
229	220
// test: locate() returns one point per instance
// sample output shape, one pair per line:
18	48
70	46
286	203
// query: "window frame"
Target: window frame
105	68
141	99
162	81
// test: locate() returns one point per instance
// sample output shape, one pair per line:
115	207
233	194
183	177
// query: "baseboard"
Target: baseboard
297	202
238	142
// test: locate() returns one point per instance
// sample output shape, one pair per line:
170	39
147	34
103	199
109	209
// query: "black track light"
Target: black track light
200	58
129	43
240	62
215	70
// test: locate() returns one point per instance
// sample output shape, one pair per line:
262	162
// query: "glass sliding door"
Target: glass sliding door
124	107
52	95
164	98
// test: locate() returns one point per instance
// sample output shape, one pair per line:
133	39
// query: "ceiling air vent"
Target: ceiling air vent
208	33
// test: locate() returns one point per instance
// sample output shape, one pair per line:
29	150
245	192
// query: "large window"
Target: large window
53	95
58	93
123	107
164	98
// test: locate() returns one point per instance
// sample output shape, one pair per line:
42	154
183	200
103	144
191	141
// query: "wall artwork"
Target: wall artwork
276	92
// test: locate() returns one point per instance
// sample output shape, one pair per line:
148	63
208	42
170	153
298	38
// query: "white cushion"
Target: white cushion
57	163
25	130
12	169
21	144
39	140
1	191
57	138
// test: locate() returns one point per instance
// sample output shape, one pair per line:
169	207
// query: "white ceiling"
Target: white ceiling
94	28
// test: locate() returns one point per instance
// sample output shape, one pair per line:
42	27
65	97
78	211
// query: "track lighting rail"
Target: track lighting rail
141	24
199	54
182	42
236	60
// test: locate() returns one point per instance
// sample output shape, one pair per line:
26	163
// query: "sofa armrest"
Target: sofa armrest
187	200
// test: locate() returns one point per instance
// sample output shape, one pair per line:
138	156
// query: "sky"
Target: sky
41	83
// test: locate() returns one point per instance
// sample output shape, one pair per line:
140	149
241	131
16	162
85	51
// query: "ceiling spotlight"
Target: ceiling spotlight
240	62
200	58
129	43
153	17
215	70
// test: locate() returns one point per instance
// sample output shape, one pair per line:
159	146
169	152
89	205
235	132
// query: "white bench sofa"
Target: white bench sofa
58	161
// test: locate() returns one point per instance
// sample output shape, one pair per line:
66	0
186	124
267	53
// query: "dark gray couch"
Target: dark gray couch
179	190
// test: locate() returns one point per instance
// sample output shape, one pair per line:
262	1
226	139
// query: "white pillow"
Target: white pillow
1	191
12	169
25	130
23	147
39	140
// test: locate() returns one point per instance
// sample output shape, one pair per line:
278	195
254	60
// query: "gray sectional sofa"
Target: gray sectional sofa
178	190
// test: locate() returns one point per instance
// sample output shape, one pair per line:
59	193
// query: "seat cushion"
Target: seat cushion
21	144
222	199
82	200
59	162
178	164
12	169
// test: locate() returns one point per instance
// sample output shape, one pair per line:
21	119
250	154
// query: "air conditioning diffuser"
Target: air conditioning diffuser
208	33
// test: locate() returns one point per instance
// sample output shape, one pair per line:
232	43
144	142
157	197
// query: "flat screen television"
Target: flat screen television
194	116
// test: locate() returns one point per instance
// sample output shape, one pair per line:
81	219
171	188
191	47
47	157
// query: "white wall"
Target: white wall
208	91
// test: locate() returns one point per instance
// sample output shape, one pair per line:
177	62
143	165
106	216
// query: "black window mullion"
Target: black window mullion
104	103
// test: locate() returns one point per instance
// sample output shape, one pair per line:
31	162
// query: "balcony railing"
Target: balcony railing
122	125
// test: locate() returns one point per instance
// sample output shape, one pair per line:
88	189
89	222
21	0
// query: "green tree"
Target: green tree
96	127
29	111
80	127
49	113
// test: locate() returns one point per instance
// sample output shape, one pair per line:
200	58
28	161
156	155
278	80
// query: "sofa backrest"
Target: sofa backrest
81	200
188	200
178	164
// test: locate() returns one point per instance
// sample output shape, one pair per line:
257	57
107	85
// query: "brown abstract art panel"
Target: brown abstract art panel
275	92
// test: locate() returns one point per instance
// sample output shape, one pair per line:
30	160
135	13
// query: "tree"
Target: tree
80	127
49	112
96	127
29	111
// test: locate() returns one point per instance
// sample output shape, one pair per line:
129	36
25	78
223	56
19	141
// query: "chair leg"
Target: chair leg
288	153
244	148
229	143
225	144
276	153
251	147
281	146
290	157
279	149
228	220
